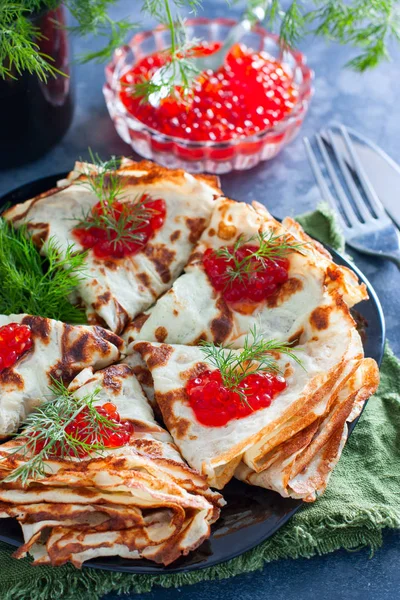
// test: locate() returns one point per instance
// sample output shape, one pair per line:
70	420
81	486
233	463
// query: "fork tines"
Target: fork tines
346	187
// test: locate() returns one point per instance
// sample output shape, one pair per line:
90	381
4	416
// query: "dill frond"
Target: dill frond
257	356
37	285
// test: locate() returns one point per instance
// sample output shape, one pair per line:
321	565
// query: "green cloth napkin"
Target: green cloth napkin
361	500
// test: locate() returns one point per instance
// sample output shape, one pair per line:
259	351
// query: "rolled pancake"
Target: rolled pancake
334	374
139	501
192	310
301	466
116	290
59	351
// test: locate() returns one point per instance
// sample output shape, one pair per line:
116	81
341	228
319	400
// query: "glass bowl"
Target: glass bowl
208	156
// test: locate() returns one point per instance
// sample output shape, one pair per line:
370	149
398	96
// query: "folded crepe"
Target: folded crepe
59	352
293	445
116	290
138	501
192	310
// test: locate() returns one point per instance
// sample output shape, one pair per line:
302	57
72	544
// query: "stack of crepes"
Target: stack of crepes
293	445
138	501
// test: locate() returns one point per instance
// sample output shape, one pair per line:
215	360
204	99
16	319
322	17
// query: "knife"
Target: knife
382	171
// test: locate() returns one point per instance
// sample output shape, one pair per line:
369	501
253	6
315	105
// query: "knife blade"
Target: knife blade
382	171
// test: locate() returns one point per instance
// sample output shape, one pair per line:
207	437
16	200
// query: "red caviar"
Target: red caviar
249	93
110	436
103	240
262	278
15	340
215	405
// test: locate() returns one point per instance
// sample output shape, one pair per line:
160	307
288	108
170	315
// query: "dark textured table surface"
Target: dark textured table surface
369	103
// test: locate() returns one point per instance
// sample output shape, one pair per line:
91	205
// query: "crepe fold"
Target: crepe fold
192	310
139	501
293	445
116	290
59	352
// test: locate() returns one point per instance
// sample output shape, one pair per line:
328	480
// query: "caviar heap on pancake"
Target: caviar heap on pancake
257	283
15	340
249	271
244	381
116	229
215	405
108	432
249	93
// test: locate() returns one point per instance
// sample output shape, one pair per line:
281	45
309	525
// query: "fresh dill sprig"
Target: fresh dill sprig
19	42
270	248
368	26
123	222
257	356
48	425
20	37
37	285
176	78
102	177
93	20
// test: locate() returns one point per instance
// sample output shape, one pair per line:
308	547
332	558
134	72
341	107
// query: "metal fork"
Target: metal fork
366	225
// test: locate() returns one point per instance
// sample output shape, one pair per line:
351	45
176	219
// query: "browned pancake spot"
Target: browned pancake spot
144	278
175	235
333	273
226	232
41	234
143	375
112	376
224	207
193	372
211	232
147	446
157	356
111	265
102	300
221	326
162	259
290	287
319	317
202	336
161	334
77	351
166	402
196	226
10	378
138	323
40	327
105	335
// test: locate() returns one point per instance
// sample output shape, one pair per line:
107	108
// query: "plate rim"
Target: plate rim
17	195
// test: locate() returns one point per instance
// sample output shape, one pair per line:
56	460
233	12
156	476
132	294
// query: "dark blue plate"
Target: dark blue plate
252	514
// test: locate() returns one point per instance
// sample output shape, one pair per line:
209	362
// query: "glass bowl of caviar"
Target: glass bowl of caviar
235	117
